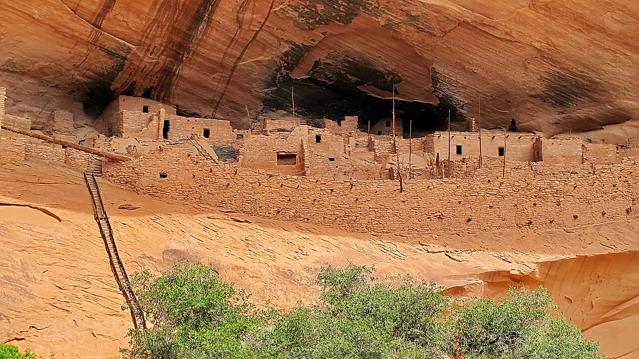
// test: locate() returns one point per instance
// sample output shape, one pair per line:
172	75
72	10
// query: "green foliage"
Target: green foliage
522	326
195	315
12	352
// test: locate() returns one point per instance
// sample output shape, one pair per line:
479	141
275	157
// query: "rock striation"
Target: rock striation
553	66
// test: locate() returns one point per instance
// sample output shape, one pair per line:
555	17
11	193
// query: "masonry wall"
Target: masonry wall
601	153
42	151
3	98
531	196
261	152
182	128
347	125
12	147
566	150
286	124
517	146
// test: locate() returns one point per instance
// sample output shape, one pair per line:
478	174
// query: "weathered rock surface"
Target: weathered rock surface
554	66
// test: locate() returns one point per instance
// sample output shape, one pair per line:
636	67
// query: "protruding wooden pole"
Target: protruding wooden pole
293	99
449	140
410	149
481	155
393	126
370	140
503	172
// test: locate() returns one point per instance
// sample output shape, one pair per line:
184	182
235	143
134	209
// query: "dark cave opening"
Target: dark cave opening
96	100
316	99
332	90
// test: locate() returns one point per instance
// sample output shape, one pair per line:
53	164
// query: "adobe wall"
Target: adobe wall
286	124
518	146
110	123
347	125
600	153
531	196
566	150
12	147
39	150
182	128
261	151
3	98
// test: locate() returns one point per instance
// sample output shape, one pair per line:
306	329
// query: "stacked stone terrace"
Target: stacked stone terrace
332	173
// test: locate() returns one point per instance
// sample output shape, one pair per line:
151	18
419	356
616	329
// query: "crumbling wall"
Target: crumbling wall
3	99
12	147
531	196
345	126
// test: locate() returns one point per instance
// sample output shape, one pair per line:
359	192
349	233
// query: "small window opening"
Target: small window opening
458	149
163	175
239	136
286	159
318	139
331	159
165	129
206	133
64	146
379	133
339	123
501	151
387	123
145	109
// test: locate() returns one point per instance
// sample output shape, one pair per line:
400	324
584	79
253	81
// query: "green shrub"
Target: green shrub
192	314
12	352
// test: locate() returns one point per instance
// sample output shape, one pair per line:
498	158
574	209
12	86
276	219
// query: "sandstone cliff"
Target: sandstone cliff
553	65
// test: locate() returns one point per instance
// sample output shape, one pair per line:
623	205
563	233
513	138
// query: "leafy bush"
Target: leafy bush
195	315
12	352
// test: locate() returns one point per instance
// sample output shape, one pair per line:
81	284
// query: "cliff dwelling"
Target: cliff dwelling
312	178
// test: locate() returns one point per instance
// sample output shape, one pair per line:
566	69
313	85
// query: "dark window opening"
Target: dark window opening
388	123
339	123
331	159
165	129
513	126
379	133
502	151
318	139
206	133
64	146
163	175
286	159
145	109
458	149
239	136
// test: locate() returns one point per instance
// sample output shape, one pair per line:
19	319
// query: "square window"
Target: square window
501	151
318	139
388	123
163	175
145	109
207	133
458	149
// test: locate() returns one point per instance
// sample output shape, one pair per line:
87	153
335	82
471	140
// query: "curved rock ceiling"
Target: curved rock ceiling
553	65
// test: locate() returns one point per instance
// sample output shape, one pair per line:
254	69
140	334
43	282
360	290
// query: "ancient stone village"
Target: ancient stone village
313	179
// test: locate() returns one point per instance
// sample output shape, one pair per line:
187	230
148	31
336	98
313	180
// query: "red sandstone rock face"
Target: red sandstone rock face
555	66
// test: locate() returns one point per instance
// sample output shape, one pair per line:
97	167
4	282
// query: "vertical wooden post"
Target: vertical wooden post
481	156
410	149
370	140
503	172
293	99
393	126
449	144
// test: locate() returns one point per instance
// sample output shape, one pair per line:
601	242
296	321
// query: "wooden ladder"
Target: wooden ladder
198	146
117	267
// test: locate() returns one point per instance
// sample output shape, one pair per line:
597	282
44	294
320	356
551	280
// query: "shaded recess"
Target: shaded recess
333	88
